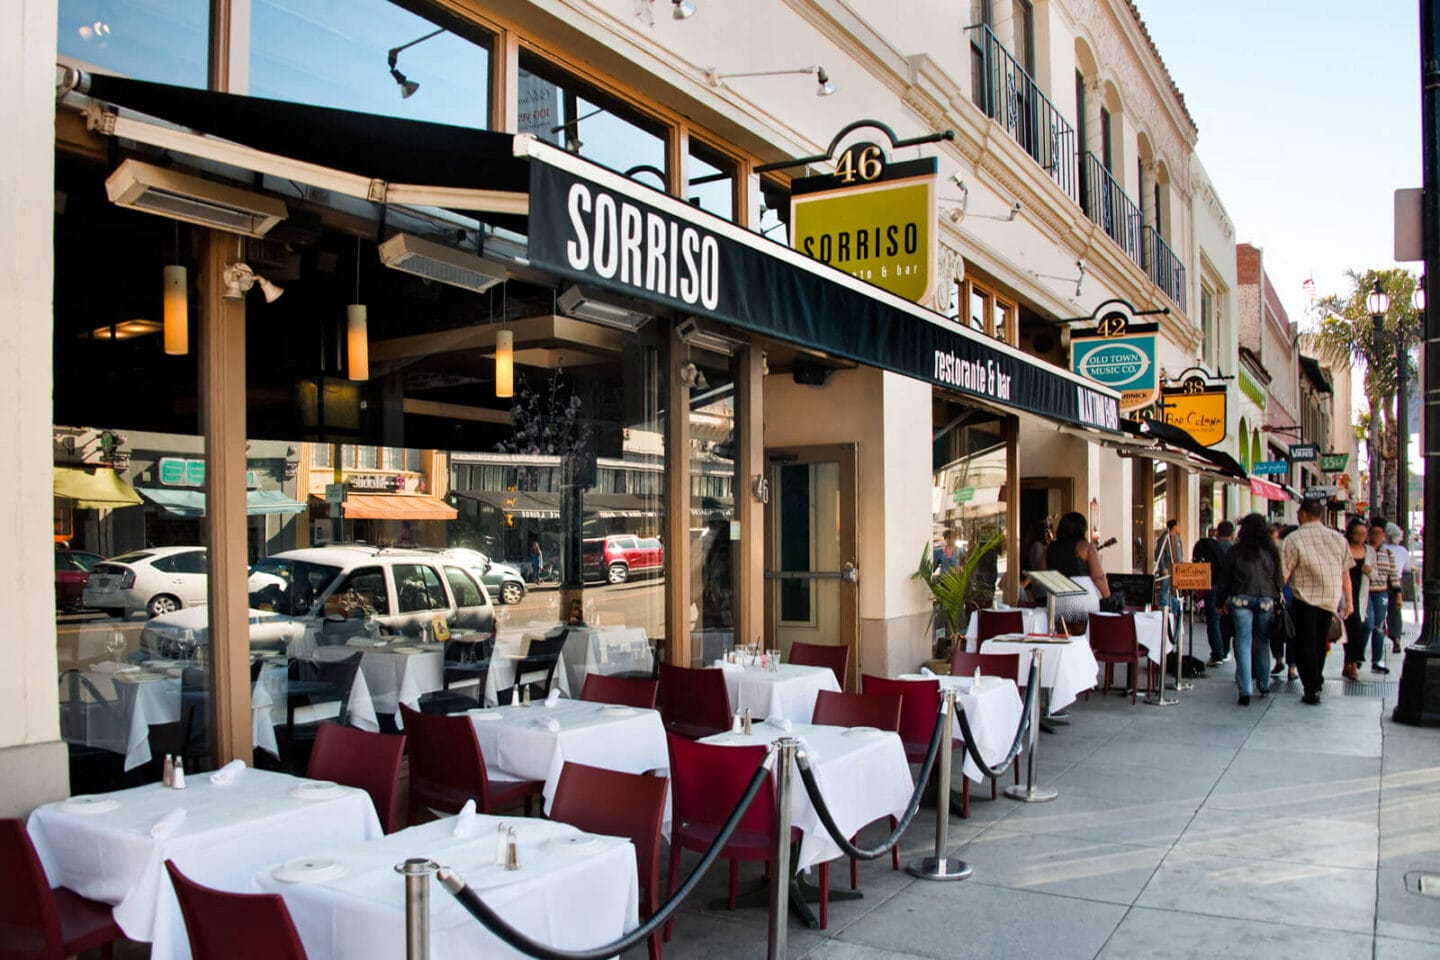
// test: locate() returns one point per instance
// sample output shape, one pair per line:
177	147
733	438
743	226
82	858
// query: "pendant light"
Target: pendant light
504	357
357	334
175	303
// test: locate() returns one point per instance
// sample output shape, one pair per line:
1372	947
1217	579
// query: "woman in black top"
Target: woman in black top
1076	557
1247	586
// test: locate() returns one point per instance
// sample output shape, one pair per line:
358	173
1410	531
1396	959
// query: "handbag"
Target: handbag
1336	631
1284	626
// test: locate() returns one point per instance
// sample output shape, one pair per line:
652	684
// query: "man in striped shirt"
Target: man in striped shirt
1381	582
1314	560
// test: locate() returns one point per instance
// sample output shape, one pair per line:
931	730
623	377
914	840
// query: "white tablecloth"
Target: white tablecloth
360	708
395	678
509	645
788	692
520	745
567	899
606	650
1147	628
1032	617
1066	669
228	833
863	777
993	711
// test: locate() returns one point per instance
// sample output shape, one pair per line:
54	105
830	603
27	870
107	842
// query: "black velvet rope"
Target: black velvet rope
994	772
497	925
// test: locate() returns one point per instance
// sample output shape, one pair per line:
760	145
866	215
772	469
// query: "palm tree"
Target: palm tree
1346	335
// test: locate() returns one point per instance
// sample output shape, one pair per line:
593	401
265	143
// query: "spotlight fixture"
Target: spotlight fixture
407	86
822	77
240	278
958	214
693	377
1079	280
682	9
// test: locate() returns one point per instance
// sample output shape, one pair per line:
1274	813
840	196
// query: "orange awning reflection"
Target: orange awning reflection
396	506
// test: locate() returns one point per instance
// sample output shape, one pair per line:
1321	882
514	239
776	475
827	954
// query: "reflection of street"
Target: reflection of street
639	603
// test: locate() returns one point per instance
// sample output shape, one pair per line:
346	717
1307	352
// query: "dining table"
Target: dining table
993	710
112	847
1033	619
572	891
535	742
786	692
1067	665
1149	626
606	649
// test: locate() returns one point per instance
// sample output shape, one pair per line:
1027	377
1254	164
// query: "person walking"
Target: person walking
1360	570
1314	561
537	559
1377	615
1168	552
1219	628
1248	587
1397	550
1076	557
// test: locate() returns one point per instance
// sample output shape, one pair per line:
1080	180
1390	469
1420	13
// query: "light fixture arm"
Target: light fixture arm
395	51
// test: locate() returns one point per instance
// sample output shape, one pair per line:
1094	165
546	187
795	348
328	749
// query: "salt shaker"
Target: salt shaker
512	851
525	695
749	729
178	779
977	676
736	724
501	848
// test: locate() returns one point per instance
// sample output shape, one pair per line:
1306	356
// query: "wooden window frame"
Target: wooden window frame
992	300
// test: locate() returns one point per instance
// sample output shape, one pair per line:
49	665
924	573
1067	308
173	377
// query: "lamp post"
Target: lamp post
1402	416
1378	303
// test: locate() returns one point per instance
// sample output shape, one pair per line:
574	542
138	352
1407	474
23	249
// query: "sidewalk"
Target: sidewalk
1203	829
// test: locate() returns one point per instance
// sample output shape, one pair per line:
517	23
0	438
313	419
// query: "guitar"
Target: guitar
1108	543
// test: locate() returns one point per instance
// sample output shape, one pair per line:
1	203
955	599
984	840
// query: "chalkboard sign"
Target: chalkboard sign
1138	588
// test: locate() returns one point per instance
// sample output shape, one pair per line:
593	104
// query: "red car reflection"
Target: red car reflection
72	572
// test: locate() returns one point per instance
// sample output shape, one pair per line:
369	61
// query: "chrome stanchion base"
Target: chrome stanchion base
1031	794
946	868
1181	686
1157	698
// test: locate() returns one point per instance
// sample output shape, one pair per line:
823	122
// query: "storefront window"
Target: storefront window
775	212
166	41
335	53
712	181
714	556
573	115
969	497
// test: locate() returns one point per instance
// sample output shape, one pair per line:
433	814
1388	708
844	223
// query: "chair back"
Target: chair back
834	656
624	691
358	758
1113	636
617	804
1007	665
446	765
707	780
881	711
27	907
235	926
694	701
992	623
919	706
542	657
467	661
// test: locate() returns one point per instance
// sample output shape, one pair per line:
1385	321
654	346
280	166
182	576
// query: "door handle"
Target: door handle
849	572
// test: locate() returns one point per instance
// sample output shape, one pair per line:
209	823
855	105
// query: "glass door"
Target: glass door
811	572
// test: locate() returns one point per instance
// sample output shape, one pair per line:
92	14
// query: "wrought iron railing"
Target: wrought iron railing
1164	267
1012	98
1110	207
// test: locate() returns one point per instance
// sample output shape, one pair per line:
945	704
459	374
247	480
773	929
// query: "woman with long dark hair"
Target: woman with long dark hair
1076	557
1248	586
1362	566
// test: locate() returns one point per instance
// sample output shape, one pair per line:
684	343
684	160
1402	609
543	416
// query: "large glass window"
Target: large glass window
335	53
712	181
571	114
166	41
969	467
775	211
714	555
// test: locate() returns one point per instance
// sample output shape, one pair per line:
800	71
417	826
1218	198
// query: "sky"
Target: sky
1309	118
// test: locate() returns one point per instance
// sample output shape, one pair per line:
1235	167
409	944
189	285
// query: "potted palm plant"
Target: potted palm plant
950	587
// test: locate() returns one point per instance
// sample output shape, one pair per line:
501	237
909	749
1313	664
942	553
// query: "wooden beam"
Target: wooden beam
750	511
455	411
530	331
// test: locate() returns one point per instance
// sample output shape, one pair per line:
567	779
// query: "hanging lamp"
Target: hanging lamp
175	305
357	333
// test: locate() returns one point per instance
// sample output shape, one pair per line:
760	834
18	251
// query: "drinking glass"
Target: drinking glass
774	660
115	644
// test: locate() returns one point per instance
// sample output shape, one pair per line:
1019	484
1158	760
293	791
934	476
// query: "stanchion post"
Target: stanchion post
1157	698
940	866
1180	657
417	873
785	749
1030	793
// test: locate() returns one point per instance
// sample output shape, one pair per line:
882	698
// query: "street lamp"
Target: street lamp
1378	302
1402	416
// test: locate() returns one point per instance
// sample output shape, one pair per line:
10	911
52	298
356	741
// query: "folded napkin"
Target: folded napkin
104	666
465	821
168	824
552	698
363	641
549	723
927	673
780	723
228	773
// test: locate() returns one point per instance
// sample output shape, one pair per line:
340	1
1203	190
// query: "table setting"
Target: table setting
1034	619
769	688
569	889
534	742
1068	666
219	829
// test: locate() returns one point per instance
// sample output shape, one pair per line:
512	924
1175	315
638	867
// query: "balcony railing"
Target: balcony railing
1164	267
1110	207
1012	98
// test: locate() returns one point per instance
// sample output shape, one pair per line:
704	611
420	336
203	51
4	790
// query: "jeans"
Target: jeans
1378	619
1170	602
1308	647
1219	628
1252	616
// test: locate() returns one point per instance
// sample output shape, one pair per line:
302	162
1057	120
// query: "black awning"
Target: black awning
1179	439
384	148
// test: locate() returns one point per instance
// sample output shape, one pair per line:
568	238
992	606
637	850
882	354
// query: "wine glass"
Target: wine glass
115	644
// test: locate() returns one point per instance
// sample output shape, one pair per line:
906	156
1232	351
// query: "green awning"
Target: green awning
191	503
97	489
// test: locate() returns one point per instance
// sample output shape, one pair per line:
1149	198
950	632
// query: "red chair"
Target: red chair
40	922
861	710
447	768
618	805
1005	665
235	926
707	780
696	702
831	655
1113	639
625	691
992	623
919	706
357	758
